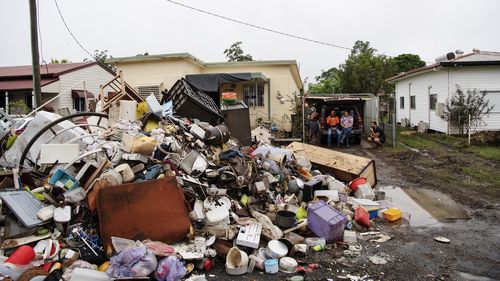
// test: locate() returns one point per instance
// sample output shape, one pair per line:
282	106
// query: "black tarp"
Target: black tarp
210	83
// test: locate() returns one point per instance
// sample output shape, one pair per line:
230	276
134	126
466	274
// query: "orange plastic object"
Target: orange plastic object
362	216
392	214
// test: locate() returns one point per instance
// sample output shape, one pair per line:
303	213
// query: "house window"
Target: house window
412	102
253	95
402	102
79	104
432	101
146	91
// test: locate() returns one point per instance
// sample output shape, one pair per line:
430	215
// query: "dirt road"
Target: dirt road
472	225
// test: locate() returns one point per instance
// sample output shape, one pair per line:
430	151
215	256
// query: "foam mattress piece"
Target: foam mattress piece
41	119
153	210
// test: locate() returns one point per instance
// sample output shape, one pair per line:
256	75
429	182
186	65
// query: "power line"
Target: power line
71	33
259	27
268	29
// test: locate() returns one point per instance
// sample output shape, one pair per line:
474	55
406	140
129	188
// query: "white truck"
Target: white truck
364	107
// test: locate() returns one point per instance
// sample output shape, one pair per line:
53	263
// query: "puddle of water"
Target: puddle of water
438	204
424	207
417	216
470	277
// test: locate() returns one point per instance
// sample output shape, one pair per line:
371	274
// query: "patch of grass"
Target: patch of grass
486	176
418	141
490	152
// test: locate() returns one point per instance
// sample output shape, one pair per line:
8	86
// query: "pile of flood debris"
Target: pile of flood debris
169	196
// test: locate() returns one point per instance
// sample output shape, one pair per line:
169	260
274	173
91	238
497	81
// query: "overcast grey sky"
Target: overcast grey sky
428	28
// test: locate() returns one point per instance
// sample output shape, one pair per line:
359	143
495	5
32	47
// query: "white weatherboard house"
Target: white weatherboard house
16	83
421	93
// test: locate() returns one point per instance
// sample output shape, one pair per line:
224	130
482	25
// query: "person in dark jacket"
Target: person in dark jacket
377	135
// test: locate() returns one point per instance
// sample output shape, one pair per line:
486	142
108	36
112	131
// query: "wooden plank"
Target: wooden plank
344	166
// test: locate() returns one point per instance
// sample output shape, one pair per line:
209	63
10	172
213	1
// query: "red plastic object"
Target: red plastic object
21	256
208	264
356	182
362	216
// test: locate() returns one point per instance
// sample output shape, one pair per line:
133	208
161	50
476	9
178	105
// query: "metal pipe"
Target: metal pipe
303	118
7	108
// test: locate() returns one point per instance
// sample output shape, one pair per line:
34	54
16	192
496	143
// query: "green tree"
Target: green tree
56	61
101	56
18	107
328	82
465	104
235	53
364	71
405	62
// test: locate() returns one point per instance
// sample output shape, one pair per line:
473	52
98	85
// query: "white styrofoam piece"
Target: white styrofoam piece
135	157
365	191
217	215
249	235
62	153
83	274
350	236
197	131
260	186
128	109
46	213
332	195
365	202
197	213
62	214
153	105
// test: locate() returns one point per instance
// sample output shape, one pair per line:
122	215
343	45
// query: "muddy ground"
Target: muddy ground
412	253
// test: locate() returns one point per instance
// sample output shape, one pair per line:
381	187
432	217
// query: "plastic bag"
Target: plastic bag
170	269
77	264
132	262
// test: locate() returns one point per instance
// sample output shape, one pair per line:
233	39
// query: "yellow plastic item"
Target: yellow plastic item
103	266
142	108
150	125
244	199
392	214
301	213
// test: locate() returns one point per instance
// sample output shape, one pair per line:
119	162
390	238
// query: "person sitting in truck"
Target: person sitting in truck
377	135
346	122
332	123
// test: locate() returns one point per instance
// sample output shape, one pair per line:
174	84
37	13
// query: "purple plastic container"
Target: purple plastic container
325	221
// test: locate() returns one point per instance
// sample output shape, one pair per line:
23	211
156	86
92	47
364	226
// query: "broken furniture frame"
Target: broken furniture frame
122	90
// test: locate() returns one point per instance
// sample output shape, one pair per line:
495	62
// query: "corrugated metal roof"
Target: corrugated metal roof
476	58
49	69
22	84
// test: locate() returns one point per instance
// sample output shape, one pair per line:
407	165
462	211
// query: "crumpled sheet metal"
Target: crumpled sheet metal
147	210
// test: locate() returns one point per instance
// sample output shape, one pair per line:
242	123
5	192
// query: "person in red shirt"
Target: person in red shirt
332	122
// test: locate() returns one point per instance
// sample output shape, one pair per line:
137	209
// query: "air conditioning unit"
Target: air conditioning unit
423	127
405	122
440	109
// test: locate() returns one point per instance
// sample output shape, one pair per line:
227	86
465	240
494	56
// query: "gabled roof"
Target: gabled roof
49	69
21	77
479	58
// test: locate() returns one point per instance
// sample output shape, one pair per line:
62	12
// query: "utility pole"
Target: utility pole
35	57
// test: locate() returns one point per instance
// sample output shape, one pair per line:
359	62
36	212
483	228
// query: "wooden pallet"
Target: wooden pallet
343	166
